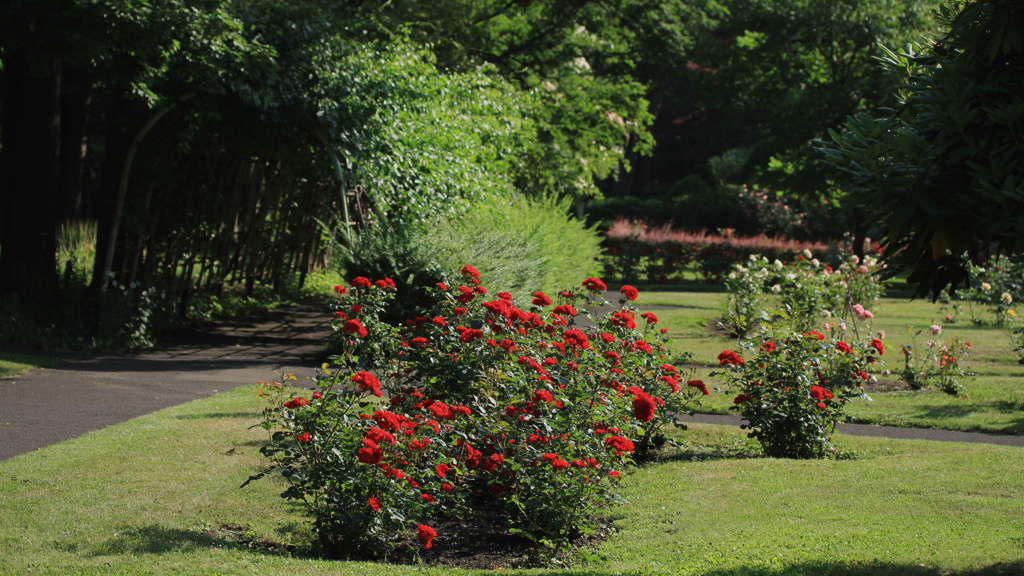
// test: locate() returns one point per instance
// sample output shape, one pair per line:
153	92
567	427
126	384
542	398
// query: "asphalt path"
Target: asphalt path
86	393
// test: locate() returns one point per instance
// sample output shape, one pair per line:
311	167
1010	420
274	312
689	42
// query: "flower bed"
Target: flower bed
479	396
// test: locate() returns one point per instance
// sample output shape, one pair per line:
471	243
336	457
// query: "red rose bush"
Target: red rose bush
477	396
793	387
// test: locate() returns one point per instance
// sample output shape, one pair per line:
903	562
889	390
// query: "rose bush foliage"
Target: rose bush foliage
484	395
794	387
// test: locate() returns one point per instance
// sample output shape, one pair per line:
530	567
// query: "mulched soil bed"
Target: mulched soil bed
481	540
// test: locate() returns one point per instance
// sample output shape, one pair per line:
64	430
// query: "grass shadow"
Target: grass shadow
215	415
945	412
872	569
157	539
704	453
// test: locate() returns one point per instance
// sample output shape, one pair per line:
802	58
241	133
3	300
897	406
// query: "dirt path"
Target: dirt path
82	394
86	393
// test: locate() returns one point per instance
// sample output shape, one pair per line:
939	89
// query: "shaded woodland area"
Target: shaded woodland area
237	143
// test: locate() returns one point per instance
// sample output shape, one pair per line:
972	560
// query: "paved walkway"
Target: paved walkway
82	394
86	393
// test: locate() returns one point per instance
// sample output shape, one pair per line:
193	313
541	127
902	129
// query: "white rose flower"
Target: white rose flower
778	264
1006	298
986	286
815	262
807	254
777	288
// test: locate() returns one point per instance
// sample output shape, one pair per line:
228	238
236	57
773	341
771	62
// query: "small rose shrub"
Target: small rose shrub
794	387
483	395
935	363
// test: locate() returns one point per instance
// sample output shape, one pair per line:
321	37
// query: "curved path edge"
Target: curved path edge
883	431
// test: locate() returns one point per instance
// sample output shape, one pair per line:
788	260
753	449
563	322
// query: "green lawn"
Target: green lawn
14	364
155	495
993	400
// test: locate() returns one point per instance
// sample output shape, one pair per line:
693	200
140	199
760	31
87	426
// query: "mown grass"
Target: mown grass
992	401
154	495
14	364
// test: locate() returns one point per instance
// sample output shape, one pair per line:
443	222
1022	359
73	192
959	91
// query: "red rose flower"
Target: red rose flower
362	282
428	498
426	534
620	444
594	284
374	504
442	286
543	396
819	393
447	487
367	382
576	339
814	334
370	453
559	464
296	402
565	309
843	347
878	346
672	382
629	292
729	357
541	299
341	290
470	271
304	437
354	326
380	436
650	317
768	347
742	398
492	462
442	470
644	407
624	319
699	385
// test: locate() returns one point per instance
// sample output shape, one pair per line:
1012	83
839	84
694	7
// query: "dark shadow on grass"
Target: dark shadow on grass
701	453
215	415
872	569
156	539
944	412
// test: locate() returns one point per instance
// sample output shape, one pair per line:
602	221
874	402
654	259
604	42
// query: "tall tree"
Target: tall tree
942	173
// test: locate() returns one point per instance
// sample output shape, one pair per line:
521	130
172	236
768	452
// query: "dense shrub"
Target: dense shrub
478	396
520	243
810	290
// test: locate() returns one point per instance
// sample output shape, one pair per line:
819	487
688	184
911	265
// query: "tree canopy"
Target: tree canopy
942	172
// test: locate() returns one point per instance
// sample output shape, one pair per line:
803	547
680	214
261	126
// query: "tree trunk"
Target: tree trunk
75	98
28	177
117	139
